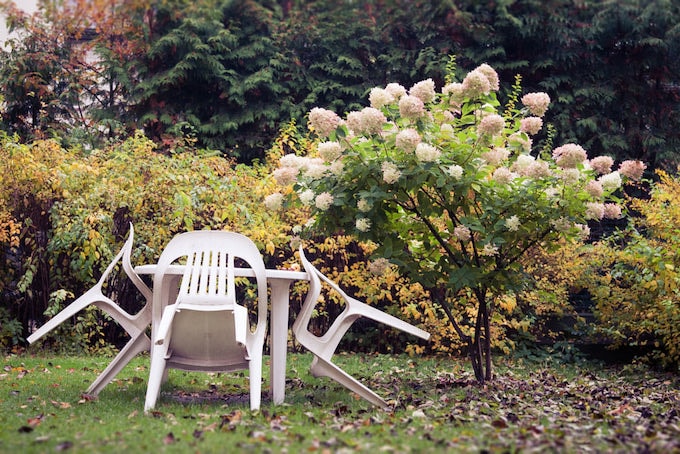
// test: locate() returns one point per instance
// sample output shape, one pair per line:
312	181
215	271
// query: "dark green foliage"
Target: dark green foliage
230	73
329	52
610	68
208	74
633	99
233	74
416	40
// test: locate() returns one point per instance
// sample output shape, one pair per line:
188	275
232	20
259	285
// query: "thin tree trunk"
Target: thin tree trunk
482	338
479	345
487	341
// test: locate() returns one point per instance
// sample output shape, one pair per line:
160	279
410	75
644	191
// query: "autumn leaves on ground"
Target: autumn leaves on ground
437	405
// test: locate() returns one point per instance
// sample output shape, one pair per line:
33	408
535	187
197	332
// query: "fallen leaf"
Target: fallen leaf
499	423
34	422
258	435
210	427
621	409
277	424
62	405
86	398
231	418
169	439
64	446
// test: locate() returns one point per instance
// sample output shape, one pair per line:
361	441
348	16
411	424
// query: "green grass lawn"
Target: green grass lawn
437	406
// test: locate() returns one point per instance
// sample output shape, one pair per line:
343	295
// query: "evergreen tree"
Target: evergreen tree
209	75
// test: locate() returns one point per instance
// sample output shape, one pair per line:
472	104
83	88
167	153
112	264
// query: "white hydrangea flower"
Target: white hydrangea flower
379	97
489	250
291	160
396	90
286	175
407	140
512	223
424	90
323	201
571	176
455	171
594	210
329	151
611	181
379	266
274	201
316	171
337	167
364	205
307	197
503	175
391	172
462	233
363	224
427	153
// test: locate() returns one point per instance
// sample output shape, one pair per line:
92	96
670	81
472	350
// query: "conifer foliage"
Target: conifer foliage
228	74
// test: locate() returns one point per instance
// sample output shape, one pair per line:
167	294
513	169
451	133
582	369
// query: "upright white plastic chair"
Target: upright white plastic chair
323	347
134	324
204	328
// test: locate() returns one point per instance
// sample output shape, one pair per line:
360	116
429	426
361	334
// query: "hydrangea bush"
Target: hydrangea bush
451	188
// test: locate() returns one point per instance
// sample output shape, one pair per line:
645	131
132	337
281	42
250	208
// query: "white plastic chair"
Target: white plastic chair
135	325
323	347
205	329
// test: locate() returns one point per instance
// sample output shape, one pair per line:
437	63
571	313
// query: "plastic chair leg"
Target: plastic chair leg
255	378
132	348
156	374
87	298
322	368
364	310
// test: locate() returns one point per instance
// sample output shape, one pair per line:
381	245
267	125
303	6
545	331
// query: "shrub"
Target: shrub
634	280
65	214
450	188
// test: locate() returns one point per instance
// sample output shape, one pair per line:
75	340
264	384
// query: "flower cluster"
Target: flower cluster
569	156
323	121
537	103
491	124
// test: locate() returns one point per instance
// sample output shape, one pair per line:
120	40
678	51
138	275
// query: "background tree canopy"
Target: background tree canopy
227	74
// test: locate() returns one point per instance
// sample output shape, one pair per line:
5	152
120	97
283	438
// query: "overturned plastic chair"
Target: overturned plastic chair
323	347
204	328
134	324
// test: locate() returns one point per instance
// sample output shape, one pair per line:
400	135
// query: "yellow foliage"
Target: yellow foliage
635	287
507	302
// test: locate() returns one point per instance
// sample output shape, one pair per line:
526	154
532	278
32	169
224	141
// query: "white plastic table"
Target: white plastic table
279	282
